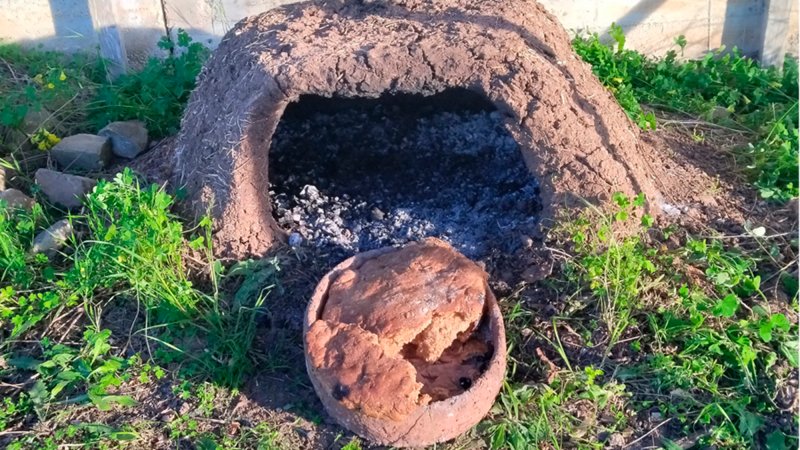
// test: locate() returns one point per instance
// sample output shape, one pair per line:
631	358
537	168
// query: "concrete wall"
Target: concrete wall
650	25
654	24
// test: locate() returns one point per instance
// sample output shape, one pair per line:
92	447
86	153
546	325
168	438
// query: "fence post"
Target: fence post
776	32
112	47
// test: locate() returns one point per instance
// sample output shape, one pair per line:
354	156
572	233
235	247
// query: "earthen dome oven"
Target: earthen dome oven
574	137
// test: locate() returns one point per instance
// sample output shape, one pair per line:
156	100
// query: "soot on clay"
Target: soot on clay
358	174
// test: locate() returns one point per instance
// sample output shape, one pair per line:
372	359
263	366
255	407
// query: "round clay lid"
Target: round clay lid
406	346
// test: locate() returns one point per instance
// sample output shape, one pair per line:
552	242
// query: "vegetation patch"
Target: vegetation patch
724	88
658	330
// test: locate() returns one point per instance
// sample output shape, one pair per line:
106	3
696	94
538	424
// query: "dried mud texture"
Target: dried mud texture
573	135
395	335
360	373
421	304
423	295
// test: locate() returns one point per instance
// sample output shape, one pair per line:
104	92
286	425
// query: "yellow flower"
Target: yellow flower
44	139
63	76
50	85
39	79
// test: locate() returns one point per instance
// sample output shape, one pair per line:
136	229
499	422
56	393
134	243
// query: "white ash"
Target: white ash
380	175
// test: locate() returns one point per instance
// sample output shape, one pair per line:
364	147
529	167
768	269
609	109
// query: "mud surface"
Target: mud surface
354	175
573	135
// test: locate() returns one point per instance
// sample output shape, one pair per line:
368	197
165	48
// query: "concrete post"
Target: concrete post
777	18
112	47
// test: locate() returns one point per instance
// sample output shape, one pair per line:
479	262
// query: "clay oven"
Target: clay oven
573	136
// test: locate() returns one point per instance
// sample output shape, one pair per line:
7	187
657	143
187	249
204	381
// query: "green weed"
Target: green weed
158	93
714	351
36	80
132	255
722	87
574	410
617	269
79	375
136	250
77	97
706	350
84	435
260	437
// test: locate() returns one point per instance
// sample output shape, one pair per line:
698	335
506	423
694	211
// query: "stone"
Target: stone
84	152
377	214
17	200
295	240
63	189
53	238
128	138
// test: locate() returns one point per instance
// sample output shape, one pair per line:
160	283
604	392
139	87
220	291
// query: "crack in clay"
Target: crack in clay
389	314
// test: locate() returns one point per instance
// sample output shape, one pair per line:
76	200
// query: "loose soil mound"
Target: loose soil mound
572	134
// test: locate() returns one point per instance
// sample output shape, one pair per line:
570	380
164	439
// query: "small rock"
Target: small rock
377	214
616	440
295	239
3	175
83	152
128	139
53	238
62	188
310	192
670	210
526	240
17	200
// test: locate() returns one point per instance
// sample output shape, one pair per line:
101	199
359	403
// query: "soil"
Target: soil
573	135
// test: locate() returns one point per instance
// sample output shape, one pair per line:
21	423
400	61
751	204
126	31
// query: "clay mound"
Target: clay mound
574	136
379	385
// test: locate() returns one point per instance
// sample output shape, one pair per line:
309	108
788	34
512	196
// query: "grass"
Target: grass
134	257
723	87
680	333
657	336
75	95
